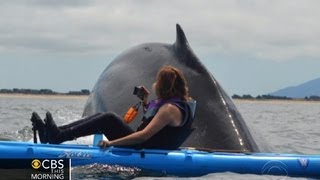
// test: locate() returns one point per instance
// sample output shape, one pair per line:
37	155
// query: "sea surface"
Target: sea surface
286	126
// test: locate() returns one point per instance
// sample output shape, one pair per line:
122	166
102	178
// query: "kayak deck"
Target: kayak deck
183	162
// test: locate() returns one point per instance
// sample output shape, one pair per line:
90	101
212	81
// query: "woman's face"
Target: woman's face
154	85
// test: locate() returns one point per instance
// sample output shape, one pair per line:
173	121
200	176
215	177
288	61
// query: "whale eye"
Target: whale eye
147	49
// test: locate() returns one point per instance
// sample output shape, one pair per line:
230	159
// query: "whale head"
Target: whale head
218	124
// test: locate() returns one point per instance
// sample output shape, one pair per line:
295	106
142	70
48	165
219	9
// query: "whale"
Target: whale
217	124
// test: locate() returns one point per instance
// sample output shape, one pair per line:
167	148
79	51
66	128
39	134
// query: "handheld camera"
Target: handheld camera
140	92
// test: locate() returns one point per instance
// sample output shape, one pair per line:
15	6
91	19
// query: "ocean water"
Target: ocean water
286	126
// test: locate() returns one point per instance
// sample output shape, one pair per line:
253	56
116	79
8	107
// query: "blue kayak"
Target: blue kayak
183	162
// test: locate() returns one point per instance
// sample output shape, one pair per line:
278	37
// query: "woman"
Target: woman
166	122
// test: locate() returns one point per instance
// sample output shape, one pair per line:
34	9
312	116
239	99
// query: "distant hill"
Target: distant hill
310	88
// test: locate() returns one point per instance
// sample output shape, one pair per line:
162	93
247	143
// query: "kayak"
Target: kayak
188	162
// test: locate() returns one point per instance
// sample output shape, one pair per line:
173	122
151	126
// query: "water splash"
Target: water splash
97	171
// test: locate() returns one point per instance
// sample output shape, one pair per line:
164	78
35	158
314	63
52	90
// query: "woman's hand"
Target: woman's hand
104	144
146	94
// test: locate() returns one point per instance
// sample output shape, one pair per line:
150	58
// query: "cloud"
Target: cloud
266	29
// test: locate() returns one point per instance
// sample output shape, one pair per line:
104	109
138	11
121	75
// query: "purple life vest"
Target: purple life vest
168	137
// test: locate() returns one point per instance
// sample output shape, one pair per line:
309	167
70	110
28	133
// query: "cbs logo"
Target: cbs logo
36	164
47	164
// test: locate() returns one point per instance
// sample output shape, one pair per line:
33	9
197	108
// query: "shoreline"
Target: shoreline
276	100
43	96
68	96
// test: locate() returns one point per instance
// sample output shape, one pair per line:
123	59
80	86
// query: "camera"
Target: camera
139	91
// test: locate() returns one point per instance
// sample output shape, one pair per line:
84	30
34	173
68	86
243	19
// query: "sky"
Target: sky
250	47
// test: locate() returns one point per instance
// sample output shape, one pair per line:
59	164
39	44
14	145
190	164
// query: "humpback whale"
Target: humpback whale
218	124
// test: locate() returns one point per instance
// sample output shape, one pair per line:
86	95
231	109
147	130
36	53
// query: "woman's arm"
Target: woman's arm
168	114
145	103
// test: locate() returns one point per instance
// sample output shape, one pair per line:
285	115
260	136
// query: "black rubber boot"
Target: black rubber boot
38	125
55	134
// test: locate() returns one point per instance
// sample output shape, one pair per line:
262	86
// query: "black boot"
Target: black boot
55	134
39	126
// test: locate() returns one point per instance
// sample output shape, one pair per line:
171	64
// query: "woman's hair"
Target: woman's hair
171	83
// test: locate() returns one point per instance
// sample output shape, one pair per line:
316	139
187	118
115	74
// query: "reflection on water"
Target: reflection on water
287	126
